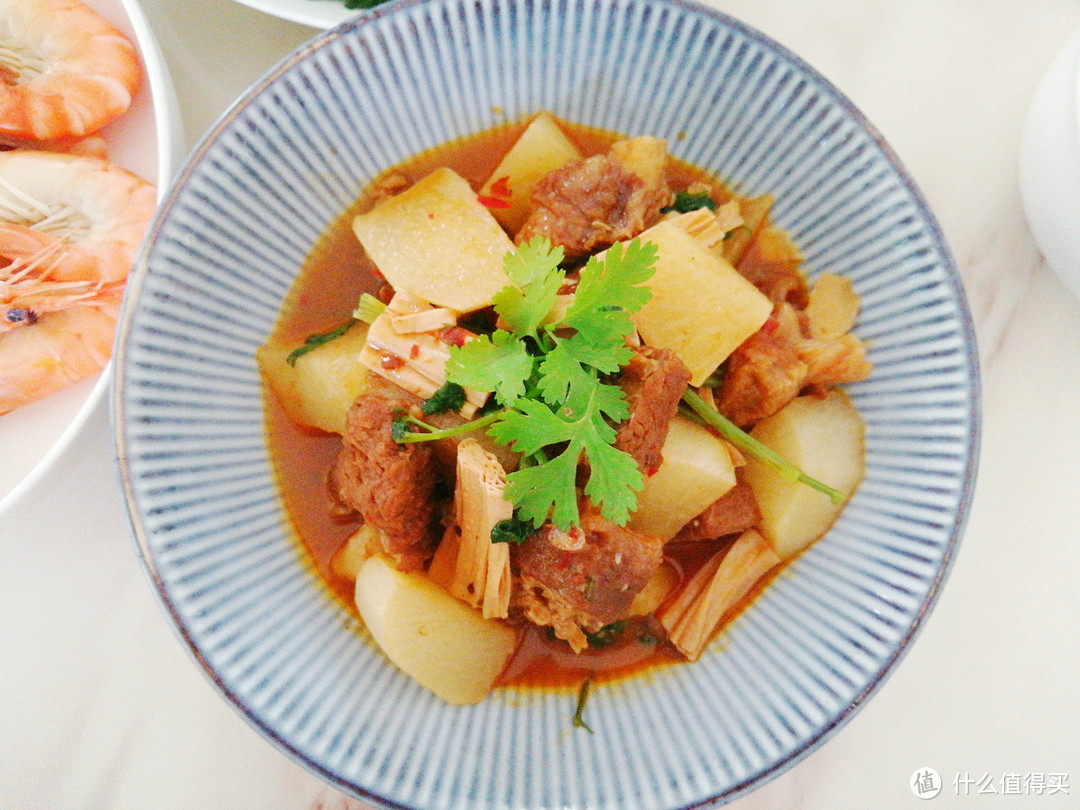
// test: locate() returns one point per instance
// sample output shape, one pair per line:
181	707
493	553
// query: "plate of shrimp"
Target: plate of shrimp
89	135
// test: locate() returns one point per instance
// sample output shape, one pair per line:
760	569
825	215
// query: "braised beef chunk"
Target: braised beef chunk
654	381
762	375
772	264
579	582
388	483
732	513
589	204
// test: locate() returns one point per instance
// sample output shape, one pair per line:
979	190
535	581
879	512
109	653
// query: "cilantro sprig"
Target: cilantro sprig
548	374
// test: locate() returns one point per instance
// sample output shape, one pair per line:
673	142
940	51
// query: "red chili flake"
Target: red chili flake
414	351
391	362
455	336
488	201
501	187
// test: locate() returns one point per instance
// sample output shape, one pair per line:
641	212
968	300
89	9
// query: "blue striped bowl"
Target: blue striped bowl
285	162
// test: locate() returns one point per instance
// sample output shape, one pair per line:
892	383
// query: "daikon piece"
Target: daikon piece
436	241
541	148
701	308
318	388
353	553
656	590
824	437
436	639
697	469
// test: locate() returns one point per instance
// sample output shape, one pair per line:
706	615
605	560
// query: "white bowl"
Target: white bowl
316	13
1050	165
147	140
222	554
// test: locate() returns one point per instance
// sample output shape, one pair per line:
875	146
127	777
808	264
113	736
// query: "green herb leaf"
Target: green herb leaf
368	308
312	342
686	202
498	363
557	411
534	269
512	530
606	635
450	397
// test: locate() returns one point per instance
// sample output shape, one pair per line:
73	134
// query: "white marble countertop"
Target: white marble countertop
101	706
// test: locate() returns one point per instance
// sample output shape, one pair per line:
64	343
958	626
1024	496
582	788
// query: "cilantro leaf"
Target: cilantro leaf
534	269
547	490
512	530
685	202
548	377
613	476
609	285
498	363
449	397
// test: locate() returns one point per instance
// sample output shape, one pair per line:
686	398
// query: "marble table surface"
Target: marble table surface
101	706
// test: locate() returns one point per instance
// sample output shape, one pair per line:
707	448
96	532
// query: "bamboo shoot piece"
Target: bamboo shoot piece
696	614
833	307
754	213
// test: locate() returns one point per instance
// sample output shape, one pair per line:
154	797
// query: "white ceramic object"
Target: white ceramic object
316	13
147	140
222	554
1050	165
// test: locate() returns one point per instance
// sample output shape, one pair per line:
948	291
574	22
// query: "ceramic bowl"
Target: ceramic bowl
1050	164
286	161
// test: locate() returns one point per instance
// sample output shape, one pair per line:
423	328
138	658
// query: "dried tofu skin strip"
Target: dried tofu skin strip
833	307
414	360
693	618
710	227
481	575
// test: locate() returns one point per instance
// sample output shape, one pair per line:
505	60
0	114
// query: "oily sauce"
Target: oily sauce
323	296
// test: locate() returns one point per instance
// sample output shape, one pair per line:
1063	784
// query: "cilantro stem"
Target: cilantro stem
748	444
431	433
578	720
368	308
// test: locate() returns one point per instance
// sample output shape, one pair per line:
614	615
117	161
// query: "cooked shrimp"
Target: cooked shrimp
70	227
66	71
